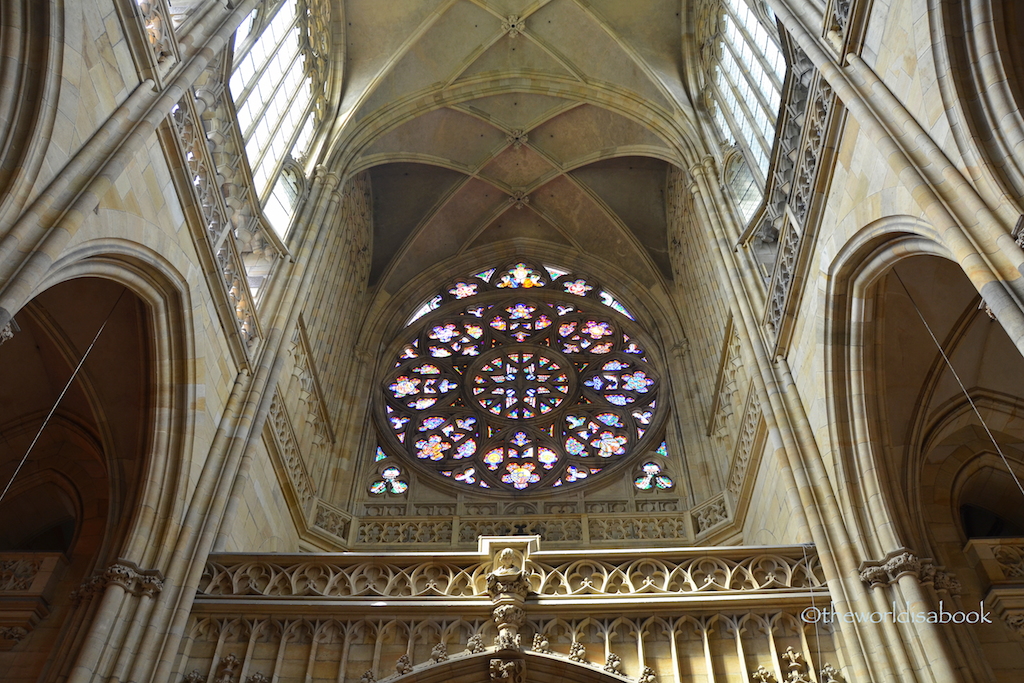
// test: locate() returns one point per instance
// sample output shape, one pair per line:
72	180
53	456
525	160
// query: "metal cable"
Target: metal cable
56	403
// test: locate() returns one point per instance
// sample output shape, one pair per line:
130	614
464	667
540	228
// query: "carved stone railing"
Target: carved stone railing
218	233
665	573
296	480
27	581
800	225
508	608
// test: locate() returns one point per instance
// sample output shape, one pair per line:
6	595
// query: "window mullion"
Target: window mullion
754	48
762	98
748	114
261	113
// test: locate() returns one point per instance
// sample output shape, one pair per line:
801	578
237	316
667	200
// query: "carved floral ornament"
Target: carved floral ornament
498	388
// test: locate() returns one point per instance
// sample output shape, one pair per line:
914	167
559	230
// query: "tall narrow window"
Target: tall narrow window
744	71
275	83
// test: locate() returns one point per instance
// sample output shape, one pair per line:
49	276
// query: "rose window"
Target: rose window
521	379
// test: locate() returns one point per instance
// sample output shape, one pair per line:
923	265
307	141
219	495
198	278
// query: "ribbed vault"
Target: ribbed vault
483	121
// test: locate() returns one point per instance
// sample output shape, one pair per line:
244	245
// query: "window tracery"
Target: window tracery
521	379
278	84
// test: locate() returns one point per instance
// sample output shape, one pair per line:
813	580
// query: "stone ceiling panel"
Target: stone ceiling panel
435	58
634	188
519	55
517	168
571	31
567	205
517	110
518	223
402	195
471	207
375	32
443	133
584	130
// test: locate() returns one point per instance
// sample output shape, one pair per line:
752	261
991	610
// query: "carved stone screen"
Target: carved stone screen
520	379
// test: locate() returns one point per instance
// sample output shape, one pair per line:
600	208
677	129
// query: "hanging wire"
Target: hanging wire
56	403
962	387
817	620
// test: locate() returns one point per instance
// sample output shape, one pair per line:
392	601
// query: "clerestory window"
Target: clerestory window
277	84
521	379
744	70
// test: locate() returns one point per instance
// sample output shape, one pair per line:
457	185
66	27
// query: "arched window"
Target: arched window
519	379
277	84
744	69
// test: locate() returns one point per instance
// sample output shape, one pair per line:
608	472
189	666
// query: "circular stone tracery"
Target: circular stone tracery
509	390
520	383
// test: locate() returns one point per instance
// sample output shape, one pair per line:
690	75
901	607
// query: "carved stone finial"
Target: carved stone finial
257	677
613	664
439	653
403	665
475	644
368	677
763	675
513	25
577	652
647	676
830	675
794	659
227	669
541	643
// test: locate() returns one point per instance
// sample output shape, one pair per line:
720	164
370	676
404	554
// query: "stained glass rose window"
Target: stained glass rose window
521	379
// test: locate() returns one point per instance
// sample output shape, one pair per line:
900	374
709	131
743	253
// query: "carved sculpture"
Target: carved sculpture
439	653
647	675
403	665
830	675
613	664
578	651
508	670
763	675
475	644
541	643
227	669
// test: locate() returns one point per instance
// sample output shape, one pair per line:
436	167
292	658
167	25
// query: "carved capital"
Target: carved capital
874	576
903	563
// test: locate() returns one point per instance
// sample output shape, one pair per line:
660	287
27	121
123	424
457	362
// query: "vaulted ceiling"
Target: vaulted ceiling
482	121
